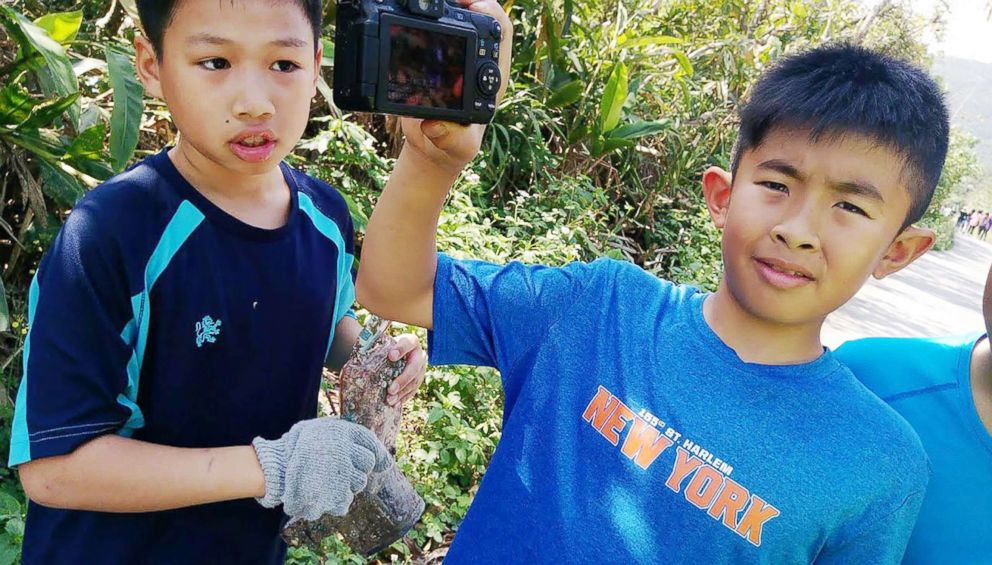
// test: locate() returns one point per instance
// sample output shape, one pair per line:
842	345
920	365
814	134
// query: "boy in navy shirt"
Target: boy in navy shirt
181	319
943	387
646	421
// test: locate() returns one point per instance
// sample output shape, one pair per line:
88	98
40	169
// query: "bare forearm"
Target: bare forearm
399	256
345	336
116	474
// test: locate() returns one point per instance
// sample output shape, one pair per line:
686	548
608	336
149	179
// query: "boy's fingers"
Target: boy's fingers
410	125
409	381
493	9
404	345
408	391
406	377
444	135
490	8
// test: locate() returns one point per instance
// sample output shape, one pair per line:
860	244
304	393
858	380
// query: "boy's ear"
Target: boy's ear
908	245
316	66
146	64
717	184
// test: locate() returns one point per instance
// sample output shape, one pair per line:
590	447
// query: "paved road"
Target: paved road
939	294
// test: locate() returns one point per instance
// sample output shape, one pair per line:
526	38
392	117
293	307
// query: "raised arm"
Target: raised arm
399	257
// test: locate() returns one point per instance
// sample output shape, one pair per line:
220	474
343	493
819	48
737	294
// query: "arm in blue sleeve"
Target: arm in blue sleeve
492	315
76	355
882	542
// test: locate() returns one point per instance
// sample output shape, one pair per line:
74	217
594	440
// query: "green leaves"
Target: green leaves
61	26
12	517
638	129
609	135
59	185
125	120
56	76
565	94
89	144
647	41
614	96
15	105
48	111
683	62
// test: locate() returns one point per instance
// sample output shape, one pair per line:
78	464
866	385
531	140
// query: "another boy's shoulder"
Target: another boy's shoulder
896	366
885	447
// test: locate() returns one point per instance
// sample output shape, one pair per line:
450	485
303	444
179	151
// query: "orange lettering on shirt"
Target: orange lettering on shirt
684	464
644	443
600	407
703	487
616	423
754	519
729	504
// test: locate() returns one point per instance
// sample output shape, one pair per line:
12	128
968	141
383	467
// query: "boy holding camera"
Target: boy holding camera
645	420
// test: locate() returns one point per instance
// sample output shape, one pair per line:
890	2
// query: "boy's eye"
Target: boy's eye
852	208
776	186
284	66
215	64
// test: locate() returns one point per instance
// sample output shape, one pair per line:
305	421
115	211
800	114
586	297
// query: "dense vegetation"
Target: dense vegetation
615	109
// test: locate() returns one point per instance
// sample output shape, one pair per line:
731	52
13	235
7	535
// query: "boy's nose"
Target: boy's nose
252	102
797	233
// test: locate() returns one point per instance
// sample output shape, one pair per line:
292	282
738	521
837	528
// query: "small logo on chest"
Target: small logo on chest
207	331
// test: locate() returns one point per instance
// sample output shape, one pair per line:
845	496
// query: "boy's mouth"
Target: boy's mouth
783	274
254	137
253	145
253	141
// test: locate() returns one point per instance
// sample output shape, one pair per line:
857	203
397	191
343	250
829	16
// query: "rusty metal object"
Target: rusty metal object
389	506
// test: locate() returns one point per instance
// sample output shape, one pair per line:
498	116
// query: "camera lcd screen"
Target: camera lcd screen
425	68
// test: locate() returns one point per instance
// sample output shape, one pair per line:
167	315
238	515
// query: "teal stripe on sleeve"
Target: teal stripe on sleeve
346	287
20	446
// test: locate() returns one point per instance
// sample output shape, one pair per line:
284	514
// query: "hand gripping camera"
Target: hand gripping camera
423	58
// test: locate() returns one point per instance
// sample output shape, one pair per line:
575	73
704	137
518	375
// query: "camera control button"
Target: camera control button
496	51
491	107
497	29
489	79
479	104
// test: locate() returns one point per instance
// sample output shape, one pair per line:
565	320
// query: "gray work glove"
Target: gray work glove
318	466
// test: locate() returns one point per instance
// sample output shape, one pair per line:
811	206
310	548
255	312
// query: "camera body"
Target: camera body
421	58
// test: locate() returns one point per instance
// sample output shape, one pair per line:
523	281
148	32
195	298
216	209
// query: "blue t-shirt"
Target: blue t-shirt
158	316
928	381
632	433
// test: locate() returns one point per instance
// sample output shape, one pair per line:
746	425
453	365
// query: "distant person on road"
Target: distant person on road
976	218
962	219
943	387
983	228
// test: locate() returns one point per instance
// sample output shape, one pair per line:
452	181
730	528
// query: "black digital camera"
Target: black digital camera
422	58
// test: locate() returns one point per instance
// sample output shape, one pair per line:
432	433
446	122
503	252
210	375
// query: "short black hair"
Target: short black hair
841	89
156	15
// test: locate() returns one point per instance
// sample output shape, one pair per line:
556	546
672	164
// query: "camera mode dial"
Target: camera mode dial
489	78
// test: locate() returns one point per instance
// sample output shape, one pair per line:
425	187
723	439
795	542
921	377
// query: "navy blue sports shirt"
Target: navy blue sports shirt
158	316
